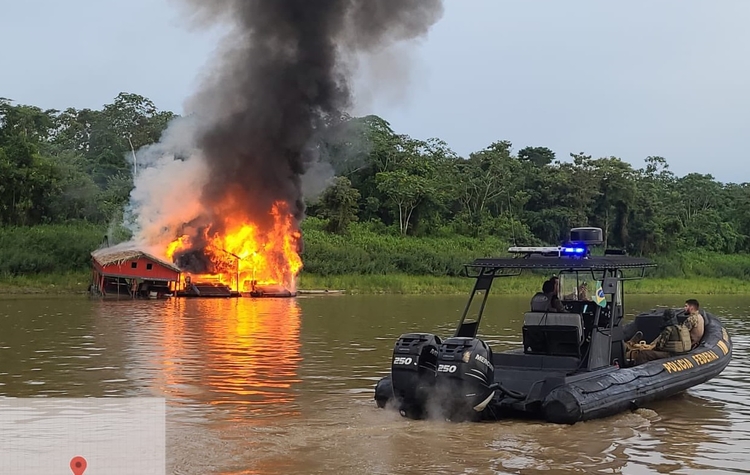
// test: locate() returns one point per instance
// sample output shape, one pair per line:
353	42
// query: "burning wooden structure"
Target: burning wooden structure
240	256
206	289
235	258
132	273
137	274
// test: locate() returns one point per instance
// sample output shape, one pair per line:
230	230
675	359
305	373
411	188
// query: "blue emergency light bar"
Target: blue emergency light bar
572	250
576	247
576	251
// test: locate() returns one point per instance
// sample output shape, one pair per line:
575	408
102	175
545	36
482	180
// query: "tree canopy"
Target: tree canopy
74	165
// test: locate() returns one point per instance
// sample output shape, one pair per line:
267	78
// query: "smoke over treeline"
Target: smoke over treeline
284	71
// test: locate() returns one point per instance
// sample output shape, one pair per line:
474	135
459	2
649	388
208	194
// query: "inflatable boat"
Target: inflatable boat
573	365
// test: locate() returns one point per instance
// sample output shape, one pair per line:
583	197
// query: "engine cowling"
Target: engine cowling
465	376
413	372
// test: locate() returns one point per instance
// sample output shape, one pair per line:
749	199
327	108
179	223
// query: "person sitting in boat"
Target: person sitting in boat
556	282
674	339
694	322
546	300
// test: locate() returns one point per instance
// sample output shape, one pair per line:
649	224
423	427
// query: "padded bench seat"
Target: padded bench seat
553	333
518	359
554	319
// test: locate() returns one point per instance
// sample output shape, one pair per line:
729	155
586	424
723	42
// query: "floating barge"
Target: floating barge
206	290
269	291
219	290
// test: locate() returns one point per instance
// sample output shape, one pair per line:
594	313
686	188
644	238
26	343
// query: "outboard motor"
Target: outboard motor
413	372
465	377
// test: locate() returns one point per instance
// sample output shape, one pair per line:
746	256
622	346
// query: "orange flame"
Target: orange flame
247	256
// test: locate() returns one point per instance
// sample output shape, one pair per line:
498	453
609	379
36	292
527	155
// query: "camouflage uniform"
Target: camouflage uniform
662	339
692	320
641	356
657	352
695	324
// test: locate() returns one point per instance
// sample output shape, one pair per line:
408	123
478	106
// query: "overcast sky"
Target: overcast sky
627	79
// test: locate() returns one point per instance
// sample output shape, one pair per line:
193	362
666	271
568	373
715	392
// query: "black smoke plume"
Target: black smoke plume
285	71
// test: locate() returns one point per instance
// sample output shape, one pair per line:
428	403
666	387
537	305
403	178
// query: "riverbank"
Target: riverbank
521	285
77	283
51	284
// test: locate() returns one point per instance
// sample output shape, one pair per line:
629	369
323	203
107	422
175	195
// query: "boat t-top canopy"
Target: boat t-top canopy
582	264
575	256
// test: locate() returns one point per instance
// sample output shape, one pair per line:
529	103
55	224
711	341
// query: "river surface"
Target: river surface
286	386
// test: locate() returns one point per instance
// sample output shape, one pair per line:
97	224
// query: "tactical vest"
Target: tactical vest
678	340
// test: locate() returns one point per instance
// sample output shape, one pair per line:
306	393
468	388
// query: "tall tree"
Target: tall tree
338	204
537	156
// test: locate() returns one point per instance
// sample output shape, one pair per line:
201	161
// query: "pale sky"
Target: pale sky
627	79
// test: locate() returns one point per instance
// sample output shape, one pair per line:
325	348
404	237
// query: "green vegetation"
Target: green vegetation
77	282
59	283
364	261
521	285
402	215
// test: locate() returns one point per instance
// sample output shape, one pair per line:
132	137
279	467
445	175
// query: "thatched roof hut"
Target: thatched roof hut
108	257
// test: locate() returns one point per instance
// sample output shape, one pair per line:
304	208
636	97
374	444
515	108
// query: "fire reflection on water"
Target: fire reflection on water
230	370
242	352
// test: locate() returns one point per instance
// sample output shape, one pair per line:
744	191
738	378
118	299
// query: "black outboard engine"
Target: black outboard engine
413	372
465	377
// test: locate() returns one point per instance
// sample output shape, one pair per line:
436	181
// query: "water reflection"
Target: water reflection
236	352
242	399
229	370
252	353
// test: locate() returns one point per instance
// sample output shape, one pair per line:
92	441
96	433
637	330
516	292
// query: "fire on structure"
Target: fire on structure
240	254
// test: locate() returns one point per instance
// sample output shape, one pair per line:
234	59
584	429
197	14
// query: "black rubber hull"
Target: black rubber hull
611	390
630	388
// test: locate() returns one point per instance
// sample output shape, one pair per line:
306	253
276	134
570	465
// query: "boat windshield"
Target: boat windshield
570	283
583	286
580	286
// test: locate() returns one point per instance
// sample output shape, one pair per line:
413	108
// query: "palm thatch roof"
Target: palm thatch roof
109	256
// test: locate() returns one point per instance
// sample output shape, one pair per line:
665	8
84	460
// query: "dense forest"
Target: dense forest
68	174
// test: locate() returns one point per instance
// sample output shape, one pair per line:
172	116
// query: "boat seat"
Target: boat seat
551	333
554	319
519	359
651	323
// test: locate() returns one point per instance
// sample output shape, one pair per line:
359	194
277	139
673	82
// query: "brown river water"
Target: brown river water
286	386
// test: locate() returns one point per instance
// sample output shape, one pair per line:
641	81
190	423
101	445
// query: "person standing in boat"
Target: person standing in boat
694	321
